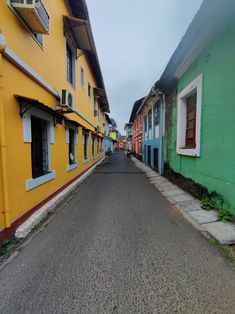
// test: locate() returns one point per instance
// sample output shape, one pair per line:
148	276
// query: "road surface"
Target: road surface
117	246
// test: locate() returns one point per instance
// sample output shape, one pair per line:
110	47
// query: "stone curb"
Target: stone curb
205	221
23	230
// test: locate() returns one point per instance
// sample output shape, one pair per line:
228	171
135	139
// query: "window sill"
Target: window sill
188	152
33	183
85	161
71	167
93	158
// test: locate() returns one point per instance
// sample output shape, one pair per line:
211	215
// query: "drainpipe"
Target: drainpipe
3	146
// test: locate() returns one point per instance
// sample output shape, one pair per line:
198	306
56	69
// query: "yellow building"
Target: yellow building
52	103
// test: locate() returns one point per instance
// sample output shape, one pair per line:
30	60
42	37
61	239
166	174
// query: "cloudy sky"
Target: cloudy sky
135	39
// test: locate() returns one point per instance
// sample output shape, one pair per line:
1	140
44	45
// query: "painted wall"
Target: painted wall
136	141
50	63
215	168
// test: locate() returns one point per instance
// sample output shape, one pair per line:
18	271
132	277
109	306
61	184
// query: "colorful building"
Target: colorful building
128	129
108	140
152	115
137	129
52	103
121	143
198	84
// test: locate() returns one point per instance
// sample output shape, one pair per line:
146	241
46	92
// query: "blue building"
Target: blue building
108	140
152	111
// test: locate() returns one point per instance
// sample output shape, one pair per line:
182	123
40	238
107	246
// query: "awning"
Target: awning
102	98
80	31
27	103
100	92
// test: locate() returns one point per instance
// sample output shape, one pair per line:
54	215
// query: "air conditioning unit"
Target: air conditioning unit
34	14
67	99
95	113
98	129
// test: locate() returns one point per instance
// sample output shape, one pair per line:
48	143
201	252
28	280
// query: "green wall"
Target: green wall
215	168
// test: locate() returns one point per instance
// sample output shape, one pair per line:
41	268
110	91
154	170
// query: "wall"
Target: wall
50	64
215	168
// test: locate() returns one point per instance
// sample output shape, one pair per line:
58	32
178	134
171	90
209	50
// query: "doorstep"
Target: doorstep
205	221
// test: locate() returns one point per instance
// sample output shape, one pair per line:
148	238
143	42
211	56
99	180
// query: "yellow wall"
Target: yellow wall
50	64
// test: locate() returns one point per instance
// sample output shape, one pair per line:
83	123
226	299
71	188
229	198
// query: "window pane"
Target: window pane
82	77
69	58
71	146
39	147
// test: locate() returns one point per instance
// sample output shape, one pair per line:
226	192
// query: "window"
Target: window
71	146
156	114
156	120
85	144
93	146
89	90
38	129
71	140
69	64
39	147
98	145
189	119
190	140
82	74
150	123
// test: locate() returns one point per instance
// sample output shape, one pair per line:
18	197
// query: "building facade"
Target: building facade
153	115
52	104
128	129
198	84
108	139
137	129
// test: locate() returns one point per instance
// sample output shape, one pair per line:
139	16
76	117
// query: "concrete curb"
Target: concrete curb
23	230
204	221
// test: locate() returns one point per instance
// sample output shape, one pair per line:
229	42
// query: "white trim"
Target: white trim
71	167
74	63
74	165
9	54
3	42
195	85
42	115
85	161
33	183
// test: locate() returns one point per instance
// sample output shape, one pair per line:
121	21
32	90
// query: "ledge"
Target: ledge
71	167
33	183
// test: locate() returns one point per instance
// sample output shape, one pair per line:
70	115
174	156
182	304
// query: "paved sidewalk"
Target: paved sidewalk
203	220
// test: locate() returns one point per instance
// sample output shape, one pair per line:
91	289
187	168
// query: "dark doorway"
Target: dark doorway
155	159
149	155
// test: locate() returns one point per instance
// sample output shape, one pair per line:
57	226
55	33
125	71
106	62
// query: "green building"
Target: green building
199	90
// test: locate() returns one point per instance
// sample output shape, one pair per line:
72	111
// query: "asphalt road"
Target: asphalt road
117	247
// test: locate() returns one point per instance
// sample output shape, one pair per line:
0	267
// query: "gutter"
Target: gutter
3	143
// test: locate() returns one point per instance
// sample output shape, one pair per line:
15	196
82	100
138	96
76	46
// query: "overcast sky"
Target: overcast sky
135	40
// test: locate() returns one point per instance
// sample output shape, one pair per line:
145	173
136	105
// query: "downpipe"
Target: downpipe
3	145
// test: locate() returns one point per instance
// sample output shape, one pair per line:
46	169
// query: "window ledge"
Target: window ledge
85	161
188	152
93	158
33	183
71	167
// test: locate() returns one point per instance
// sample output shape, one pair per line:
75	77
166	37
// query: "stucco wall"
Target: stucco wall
215	168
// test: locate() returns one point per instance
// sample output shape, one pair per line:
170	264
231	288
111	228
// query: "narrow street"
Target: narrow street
117	247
